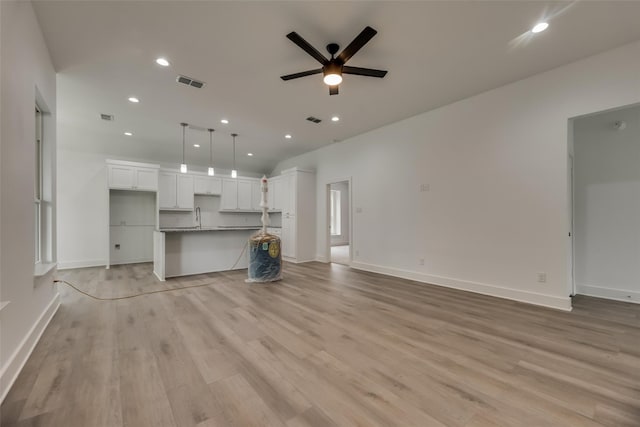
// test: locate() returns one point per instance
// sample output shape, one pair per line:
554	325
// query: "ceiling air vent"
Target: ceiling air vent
107	117
190	82
314	119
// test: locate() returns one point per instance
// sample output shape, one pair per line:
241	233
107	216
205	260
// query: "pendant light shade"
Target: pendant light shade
234	172
183	165
210	171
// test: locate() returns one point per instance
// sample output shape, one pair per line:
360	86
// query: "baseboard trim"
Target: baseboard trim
66	265
16	362
558	303
608	293
132	261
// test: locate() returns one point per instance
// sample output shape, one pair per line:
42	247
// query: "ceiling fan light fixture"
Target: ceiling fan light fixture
332	74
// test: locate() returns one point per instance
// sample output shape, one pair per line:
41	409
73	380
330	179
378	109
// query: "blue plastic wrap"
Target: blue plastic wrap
265	258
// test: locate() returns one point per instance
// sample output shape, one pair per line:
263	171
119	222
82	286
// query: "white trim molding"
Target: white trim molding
66	265
16	362
608	293
551	301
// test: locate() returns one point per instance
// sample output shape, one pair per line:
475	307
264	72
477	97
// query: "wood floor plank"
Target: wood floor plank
326	346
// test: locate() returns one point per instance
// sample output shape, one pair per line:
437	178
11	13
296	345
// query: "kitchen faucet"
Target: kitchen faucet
198	216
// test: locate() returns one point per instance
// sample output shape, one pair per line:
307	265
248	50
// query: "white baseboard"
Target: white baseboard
66	265
132	261
551	301
16	362
608	293
321	258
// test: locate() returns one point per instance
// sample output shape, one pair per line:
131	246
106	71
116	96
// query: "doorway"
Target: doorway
338	238
606	204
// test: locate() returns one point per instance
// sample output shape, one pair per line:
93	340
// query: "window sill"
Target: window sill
43	269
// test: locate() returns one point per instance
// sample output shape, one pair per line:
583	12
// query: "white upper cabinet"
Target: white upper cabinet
132	176
175	191
256	195
238	194
207	185
244	195
229	194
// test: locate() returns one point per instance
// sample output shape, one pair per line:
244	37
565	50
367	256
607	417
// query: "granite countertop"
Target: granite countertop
190	229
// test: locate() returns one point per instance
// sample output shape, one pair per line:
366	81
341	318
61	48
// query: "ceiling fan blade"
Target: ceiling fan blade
357	44
304	45
370	72
333	90
301	74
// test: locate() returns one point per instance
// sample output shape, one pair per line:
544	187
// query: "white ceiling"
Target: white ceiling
435	52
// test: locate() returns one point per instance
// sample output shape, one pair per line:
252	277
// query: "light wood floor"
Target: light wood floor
327	346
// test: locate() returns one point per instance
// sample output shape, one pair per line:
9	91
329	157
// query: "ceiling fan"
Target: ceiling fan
334	68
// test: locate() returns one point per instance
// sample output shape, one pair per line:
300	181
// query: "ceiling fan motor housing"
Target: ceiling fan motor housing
333	67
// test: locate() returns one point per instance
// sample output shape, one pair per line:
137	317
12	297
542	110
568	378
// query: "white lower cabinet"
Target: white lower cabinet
175	191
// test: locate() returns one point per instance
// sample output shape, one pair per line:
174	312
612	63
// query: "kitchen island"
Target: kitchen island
192	250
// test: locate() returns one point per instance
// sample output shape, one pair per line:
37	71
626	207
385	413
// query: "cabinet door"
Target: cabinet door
288	236
244	195
229	194
256	195
146	179
121	177
271	194
215	186
167	191
185	191
201	185
286	199
277	194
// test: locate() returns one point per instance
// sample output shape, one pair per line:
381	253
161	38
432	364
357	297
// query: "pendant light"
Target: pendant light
183	165
210	171
234	172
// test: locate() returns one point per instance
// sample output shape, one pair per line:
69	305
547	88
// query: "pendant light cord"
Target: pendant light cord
211	147
184	125
234	150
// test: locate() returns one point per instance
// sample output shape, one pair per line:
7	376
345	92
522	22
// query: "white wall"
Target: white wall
27	75
496	166
607	205
343	237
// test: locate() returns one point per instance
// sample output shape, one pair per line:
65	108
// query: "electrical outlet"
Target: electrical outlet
542	277
424	187
421	261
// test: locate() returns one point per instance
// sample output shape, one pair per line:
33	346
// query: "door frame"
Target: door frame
571	219
327	221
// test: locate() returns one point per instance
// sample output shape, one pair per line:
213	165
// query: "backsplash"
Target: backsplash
211	217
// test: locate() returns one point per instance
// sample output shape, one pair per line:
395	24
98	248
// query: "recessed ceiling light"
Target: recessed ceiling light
335	119
287	136
540	27
249	154
134	100
128	133
162	61
224	121
196	145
